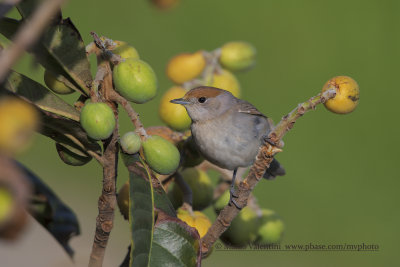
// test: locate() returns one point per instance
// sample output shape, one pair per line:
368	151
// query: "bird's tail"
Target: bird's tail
275	169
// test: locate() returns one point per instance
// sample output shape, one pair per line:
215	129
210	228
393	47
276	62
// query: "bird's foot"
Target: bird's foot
231	199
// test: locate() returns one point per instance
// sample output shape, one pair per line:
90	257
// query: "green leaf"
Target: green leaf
170	242
42	97
59	119
174	243
60	50
52	213
141	214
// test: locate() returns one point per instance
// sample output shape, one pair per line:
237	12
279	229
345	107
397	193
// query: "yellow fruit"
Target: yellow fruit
202	189
185	67
55	85
197	220
227	81
18	121
175	116
237	56
123	200
347	94
124	50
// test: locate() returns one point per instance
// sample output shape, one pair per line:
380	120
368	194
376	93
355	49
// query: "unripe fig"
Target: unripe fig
18	121
71	158
347	94
271	228
243	228
98	120
237	56
175	116
55	85
202	189
130	143
196	219
123	200
162	156
221	202
135	80
185	67
124	50
227	81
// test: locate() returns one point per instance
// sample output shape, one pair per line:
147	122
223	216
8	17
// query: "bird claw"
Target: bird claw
232	201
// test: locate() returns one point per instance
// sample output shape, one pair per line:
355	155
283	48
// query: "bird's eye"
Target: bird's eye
202	99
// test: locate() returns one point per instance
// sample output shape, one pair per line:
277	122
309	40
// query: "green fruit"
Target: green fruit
202	189
162	156
98	120
243	228
55	85
271	228
135	80
130	143
221	202
71	158
237	56
124	50
123	200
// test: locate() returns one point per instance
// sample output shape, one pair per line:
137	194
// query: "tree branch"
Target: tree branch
264	158
139	129
28	35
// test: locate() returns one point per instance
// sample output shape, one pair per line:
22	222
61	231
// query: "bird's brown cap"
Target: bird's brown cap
203	91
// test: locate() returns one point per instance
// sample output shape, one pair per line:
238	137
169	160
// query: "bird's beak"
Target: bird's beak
180	101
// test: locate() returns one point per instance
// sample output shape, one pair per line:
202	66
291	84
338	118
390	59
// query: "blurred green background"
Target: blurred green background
342	181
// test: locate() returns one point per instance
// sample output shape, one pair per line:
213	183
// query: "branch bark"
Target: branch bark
28	35
264	158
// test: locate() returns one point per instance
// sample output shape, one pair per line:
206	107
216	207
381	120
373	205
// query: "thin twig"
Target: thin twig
264	158
103	45
139	129
28	35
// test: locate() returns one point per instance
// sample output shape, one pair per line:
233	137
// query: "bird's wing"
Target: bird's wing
246	107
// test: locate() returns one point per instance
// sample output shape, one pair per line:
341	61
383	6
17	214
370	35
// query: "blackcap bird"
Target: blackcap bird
227	131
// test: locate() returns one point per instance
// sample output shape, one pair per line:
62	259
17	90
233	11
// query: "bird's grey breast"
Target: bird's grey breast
232	140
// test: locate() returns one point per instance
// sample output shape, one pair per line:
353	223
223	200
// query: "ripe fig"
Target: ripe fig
185	67
227	81
347	94
175	116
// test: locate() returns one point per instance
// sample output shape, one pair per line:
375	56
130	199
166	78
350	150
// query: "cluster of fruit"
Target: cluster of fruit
135	80
215	69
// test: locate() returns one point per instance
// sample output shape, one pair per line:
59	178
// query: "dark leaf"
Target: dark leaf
52	213
161	200
59	119
60	50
